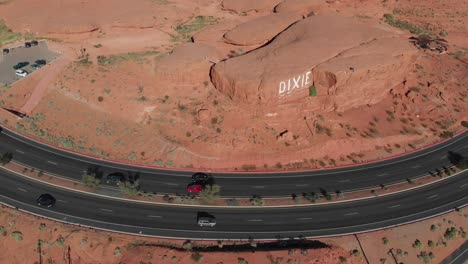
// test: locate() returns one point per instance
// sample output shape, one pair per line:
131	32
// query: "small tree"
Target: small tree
6	158
257	201
210	193
450	233
418	244
17	235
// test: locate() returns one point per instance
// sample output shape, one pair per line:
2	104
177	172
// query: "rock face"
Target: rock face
189	63
260	30
240	6
304	7
325	59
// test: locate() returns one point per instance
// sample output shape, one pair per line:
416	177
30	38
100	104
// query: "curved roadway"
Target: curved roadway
161	181
237	223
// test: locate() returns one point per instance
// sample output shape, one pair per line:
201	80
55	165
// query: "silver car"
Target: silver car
205	219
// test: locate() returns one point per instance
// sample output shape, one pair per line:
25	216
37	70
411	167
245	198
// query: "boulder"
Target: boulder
260	30
321	48
242	6
188	63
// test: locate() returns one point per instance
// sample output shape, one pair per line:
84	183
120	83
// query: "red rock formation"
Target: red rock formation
341	56
240	6
260	30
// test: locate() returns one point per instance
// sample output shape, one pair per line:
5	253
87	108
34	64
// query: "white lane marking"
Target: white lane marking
304	218
345	181
19	151
466	184
107	210
258	187
394	206
23	190
255	220
302	185
415	167
443	157
172	184
381	175
432	196
154	216
51	162
355	213
62	201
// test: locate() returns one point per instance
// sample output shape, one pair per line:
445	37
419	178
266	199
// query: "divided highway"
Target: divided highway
71	165
237	223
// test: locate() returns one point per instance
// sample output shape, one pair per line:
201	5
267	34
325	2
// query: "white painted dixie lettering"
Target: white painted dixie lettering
297	82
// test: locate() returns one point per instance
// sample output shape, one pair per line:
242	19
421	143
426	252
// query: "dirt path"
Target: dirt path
41	87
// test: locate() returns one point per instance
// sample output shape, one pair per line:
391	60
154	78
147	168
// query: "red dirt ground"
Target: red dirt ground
132	106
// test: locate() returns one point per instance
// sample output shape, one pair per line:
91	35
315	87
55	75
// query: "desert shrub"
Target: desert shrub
5	158
17	235
312	91
451	233
42	227
196	256
386	241
342	259
426	257
232	202
187	245
130	188
117	251
418	244
91	180
210	193
257	201
433	228
356	253
431	243
60	241
6	35
464	123
242	261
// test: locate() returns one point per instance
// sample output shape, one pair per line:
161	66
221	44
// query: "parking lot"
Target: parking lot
22	54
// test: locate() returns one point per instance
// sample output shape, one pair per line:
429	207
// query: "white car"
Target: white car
21	73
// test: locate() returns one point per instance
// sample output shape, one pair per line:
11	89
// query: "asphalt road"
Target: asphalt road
459	256
371	175
237	223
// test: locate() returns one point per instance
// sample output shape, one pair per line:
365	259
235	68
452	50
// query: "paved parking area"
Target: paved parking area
22	54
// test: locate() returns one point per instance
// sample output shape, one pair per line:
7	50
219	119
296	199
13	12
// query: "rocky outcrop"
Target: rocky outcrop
189	63
336	61
260	30
304	7
242	6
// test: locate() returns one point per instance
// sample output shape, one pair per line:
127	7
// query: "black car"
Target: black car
200	177
41	62
6	51
27	44
20	65
46	200
34	43
36	66
115	178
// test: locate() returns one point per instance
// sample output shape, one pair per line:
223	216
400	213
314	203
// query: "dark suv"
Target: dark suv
115	178
34	43
46	200
27	44
20	65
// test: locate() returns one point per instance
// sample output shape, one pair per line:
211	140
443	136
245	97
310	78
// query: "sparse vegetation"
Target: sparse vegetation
60	241
91	180
418	244
312	91
17	235
6	158
257	201
117	251
130	188
210	193
6	35
242	261
386	241
139	57
196	256
392	21
451	233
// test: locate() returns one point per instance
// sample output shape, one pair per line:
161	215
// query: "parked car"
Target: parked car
195	188
205	219
27	44
34	43
115	178
41	62
21	73
36	66
20	65
46	200
200	177
6	51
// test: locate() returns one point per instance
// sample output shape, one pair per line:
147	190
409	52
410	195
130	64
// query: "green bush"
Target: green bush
130	188
42	227
5	158
117	251
60	241
386	241
210	193
418	244
242	261
312	91
451	233
257	201
90	180
17	235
